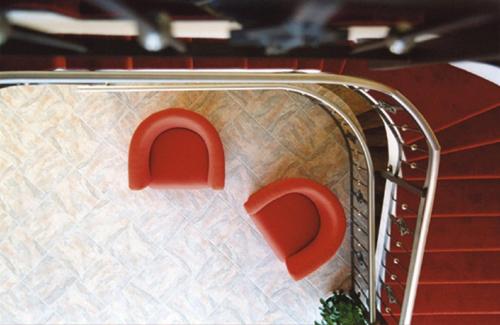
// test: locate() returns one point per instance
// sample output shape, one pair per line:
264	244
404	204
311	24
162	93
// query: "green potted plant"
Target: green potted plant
342	309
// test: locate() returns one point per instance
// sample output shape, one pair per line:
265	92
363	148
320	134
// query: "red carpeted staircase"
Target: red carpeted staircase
460	278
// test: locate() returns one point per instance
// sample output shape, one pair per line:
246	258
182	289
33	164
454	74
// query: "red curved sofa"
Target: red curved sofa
176	148
303	222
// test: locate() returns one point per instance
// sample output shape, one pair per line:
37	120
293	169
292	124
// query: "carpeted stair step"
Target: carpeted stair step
450	319
456	299
453	233
445	95
457	197
478	131
451	267
472	319
477	163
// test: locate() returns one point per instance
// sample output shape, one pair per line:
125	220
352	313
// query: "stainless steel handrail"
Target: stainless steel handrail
219	80
425	205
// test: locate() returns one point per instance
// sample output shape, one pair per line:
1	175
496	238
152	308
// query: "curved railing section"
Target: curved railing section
369	256
396	293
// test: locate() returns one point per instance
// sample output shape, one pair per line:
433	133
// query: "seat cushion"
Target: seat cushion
179	158
288	223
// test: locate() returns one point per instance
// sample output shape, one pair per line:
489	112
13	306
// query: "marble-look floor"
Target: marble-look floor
77	246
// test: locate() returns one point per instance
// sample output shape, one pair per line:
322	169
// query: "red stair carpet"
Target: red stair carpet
460	278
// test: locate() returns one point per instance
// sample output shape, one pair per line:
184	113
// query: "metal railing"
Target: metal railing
369	257
397	294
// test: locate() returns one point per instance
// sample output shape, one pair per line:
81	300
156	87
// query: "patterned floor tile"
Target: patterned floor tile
220	110
218	274
134	305
76	195
77	251
23	196
105	222
79	305
119	136
45	112
45	167
20	253
50	222
101	170
304	134
246	304
160	226
218	222
300	299
167	315
267	107
270	276
162	276
68	94
246	248
13	97
100	111
50	279
15	147
264	154
74	139
154	102
77	246
196	299
133	100
191	246
20	305
8	277
132	248
7	224
105	277
331	276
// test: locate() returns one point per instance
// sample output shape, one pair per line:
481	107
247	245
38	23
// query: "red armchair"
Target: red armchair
303	222
176	148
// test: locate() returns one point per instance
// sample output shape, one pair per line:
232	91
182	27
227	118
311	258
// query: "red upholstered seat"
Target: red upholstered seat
303	222
289	223
176	148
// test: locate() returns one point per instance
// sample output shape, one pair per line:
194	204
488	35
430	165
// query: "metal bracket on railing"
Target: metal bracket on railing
359	256
401	182
386	107
402	225
390	293
359	196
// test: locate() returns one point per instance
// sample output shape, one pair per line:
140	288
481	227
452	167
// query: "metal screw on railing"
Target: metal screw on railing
399	244
387	107
404	206
359	229
414	147
388	310
413	165
389	169
404	127
394	277
395	261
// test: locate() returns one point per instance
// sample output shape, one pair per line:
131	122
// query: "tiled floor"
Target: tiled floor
76	246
